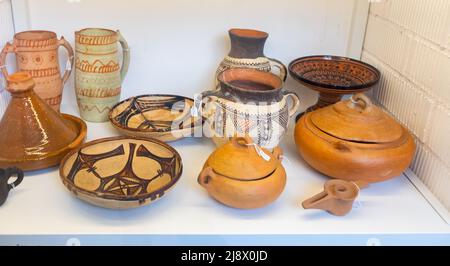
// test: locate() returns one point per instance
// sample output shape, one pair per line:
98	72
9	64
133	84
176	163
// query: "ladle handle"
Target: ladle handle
315	201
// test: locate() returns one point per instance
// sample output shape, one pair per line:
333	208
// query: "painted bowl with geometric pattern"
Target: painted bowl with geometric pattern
160	116
121	172
332	77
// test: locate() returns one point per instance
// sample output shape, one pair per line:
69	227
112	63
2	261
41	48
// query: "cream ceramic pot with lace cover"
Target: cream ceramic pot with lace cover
249	103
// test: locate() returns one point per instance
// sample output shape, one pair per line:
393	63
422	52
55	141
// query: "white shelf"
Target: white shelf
41	210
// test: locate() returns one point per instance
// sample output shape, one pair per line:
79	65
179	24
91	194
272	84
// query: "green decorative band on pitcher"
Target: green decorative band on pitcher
98	75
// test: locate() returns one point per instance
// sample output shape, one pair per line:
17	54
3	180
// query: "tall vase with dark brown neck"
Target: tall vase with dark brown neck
247	51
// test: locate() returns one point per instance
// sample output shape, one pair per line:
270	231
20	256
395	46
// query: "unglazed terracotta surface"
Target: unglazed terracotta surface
333	76
249	102
354	140
37	54
247	51
121	172
337	197
243	175
98	75
163	117
33	135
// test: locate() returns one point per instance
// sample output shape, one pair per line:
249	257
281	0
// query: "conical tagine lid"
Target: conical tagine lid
357	120
30	129
242	159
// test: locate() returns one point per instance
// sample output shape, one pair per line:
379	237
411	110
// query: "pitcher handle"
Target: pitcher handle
125	54
278	64
64	43
9	48
14	171
295	102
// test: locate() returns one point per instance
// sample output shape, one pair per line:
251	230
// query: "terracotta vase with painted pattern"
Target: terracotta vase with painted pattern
37	54
98	74
247	51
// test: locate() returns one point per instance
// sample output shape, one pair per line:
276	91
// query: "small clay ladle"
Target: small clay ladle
337	197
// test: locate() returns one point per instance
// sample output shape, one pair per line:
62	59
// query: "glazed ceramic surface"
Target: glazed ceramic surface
121	172
247	51
32	134
163	117
37	54
98	75
243	175
333	76
337	197
354	140
5	185
249	102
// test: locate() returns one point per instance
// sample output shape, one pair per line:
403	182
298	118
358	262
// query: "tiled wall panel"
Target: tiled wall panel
408	41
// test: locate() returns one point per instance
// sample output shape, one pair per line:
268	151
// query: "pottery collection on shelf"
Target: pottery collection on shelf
37	54
247	114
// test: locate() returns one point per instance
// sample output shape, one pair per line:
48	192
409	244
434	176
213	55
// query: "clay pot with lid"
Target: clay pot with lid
354	140
242	175
33	135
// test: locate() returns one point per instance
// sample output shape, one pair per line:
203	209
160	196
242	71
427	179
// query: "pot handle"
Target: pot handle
125	54
295	102
63	42
278	64
206	176
211	96
277	152
9	48
14	171
358	99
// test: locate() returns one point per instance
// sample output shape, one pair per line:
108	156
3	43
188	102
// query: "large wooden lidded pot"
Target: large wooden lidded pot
242	175
354	140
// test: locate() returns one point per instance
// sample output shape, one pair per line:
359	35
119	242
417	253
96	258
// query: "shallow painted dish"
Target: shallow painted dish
160	116
121	172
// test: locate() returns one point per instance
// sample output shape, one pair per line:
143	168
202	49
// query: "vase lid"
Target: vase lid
357	120
30	129
242	159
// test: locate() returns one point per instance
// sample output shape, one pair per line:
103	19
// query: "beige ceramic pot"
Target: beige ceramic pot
242	175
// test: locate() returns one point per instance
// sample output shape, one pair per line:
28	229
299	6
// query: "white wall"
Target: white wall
409	41
176	45
6	32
